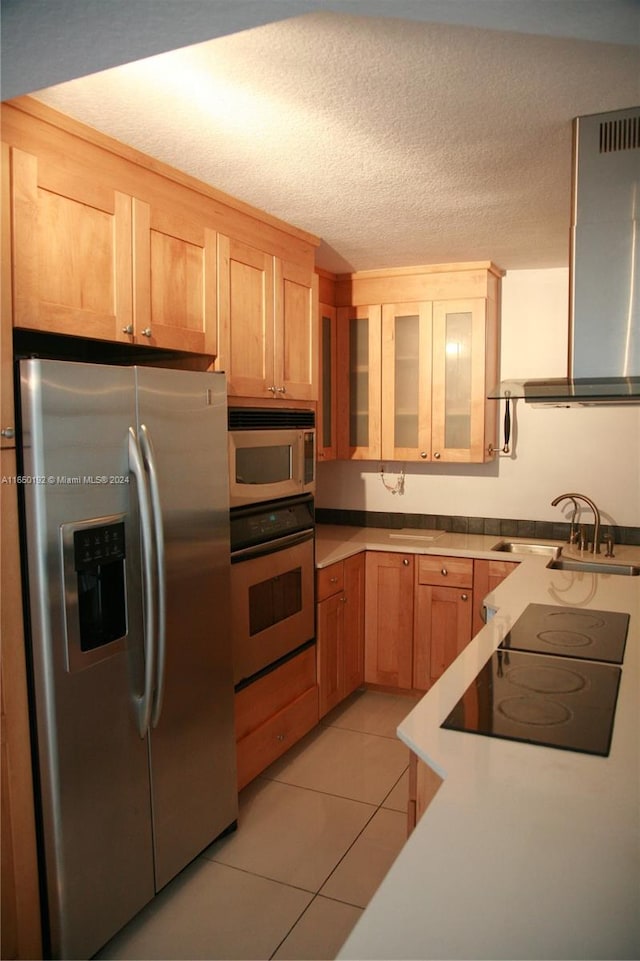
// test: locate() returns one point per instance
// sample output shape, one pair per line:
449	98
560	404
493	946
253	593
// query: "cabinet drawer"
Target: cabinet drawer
261	700
445	571
329	581
270	740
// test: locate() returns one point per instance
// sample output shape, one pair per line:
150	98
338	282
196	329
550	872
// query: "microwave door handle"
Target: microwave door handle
149	458
136	467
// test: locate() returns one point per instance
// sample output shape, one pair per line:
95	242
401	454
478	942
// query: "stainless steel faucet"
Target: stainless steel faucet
596	515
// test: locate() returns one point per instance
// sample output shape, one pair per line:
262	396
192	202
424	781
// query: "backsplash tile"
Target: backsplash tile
459	524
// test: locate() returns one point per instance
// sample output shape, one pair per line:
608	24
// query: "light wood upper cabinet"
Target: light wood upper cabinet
414	373
174	303
406	381
459	407
359	384
91	261
72	252
327	419
295	334
268	324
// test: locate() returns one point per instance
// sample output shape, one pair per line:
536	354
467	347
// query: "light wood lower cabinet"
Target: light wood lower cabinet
486	577
274	712
389	619
423	787
340	630
443	615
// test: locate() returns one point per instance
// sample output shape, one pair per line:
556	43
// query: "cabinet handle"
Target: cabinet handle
333	580
281	390
128	329
464	597
405	562
343	599
423	454
444	572
436	455
146	332
8	432
272	389
279	737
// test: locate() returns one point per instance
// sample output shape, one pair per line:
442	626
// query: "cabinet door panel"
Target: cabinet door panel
442	630
406	381
327	408
459	352
175	281
246	321
330	643
359	383
389	619
296	331
353	623
71	252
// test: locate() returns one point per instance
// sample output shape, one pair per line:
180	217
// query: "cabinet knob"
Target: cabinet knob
8	432
128	329
343	599
444	572
464	597
423	454
333	580
405	562
146	332
436	456
272	389
281	390
279	737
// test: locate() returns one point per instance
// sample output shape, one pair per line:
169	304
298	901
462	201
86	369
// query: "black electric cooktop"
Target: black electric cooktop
540	699
570	632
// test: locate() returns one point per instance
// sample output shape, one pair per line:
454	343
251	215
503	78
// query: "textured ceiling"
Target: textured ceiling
396	142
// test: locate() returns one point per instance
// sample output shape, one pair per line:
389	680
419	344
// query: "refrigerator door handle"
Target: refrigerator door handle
136	466
148	454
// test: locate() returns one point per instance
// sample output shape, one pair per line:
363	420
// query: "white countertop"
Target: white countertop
526	851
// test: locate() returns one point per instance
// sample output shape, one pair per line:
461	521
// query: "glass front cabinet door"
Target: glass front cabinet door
459	373
359	383
406	381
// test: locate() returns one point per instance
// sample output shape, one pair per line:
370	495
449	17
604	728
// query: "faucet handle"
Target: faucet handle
609	542
582	538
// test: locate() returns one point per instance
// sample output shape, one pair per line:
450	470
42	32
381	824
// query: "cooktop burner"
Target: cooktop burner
570	632
542	700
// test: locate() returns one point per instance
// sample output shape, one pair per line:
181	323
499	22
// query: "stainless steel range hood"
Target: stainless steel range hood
604	307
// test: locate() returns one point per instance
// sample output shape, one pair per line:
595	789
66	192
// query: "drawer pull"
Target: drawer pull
279	737
405	562
464	597
333	580
444	572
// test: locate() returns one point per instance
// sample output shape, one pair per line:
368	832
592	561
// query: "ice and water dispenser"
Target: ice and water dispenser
94	555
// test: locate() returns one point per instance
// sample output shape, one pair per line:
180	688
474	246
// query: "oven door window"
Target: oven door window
263	464
274	600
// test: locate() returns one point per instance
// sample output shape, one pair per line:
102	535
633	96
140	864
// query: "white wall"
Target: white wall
593	450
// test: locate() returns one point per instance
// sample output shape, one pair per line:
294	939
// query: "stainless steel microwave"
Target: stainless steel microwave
272	453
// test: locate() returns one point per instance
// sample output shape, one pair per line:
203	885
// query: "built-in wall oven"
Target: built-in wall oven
272	583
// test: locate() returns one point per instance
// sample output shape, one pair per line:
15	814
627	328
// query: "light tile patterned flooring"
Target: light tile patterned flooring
317	832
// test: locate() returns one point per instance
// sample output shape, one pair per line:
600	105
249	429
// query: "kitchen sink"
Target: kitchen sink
594	567
520	547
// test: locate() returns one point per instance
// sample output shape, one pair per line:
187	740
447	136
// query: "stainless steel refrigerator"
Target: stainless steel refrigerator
126	537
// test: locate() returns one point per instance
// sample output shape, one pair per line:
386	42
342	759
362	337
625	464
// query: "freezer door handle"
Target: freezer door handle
148	454
137	468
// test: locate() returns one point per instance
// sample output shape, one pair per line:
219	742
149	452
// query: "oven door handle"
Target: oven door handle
271	547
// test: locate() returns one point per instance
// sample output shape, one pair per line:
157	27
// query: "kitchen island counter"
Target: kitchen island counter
525	851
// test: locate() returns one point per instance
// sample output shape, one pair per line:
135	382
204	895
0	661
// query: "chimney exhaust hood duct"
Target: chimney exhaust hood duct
604	305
